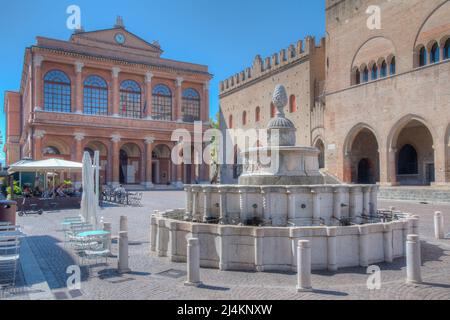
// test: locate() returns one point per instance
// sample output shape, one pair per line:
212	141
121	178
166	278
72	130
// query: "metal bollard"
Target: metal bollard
123	253
439	225
124	223
413	260
108	228
193	263
304	266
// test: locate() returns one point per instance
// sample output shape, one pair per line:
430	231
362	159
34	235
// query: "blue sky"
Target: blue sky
225	35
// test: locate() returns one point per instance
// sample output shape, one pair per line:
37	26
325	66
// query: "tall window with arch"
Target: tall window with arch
392	67
230	121
292	104
408	161
162	103
191	105
130	99
383	69
258	114
366	75
95	96
374	72
357	79
51	151
434	53
422	57
447	49
273	110
244	118
57	92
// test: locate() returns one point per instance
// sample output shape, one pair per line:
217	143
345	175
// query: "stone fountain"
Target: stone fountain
256	224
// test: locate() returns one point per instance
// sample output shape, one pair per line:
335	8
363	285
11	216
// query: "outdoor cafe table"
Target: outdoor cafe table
94	233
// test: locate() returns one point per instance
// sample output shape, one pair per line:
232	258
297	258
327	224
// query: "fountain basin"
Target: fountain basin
267	249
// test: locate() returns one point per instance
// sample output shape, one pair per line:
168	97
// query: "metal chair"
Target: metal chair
9	259
94	248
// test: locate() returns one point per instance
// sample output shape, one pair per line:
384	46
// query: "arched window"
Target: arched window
393	67
447	49
407	161
57	92
273	110
357	77
258	114
130	99
51	151
162	103
366	75
383	69
292	104
434	53
244	118
95	96
191	105
374	72
422	57
230	122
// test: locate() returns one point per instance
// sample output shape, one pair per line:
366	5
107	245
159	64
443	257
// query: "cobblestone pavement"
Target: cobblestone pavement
157	278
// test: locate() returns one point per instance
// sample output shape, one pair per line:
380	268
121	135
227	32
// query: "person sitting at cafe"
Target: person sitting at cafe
60	192
26	192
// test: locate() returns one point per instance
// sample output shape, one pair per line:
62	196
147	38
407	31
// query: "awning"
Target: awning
49	165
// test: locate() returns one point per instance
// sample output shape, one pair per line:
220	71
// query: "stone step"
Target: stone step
425	194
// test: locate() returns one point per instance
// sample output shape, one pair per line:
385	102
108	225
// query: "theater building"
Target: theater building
108	91
383	115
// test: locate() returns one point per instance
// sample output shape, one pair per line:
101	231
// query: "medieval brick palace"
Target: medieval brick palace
110	91
375	101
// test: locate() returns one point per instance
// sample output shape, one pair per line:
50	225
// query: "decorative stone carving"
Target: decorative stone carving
148	77
280	99
115	72
39	134
79	66
37	60
149	140
116	138
179	81
79	136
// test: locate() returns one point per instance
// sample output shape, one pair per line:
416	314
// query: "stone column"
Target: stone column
267	203
316	204
304	266
366	201
374	201
413	260
195	201
38	79
352	202
337	204
291	205
122	265
79	87
392	167
439	226
205	106
223	206
108	228
78	137
332	248
37	139
442	52
149	162
388	245
189	204
153	232
207	204
193	263
115	92
363	246
124	223
115	160
243	204
180	181
148	95
177	116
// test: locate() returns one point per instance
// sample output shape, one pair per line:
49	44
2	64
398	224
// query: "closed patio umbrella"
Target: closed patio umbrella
89	201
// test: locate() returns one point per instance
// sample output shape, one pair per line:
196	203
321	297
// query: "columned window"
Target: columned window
434	53
374	72
162	103
244	118
383	70
130	99
273	110
95	96
57	92
292	104
191	105
357	77
393	67
258	114
447	50
366	75
422	57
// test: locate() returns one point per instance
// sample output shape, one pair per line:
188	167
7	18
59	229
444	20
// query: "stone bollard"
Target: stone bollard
413	260
304	266
124	223
108	228
193	263
123	253
439	225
